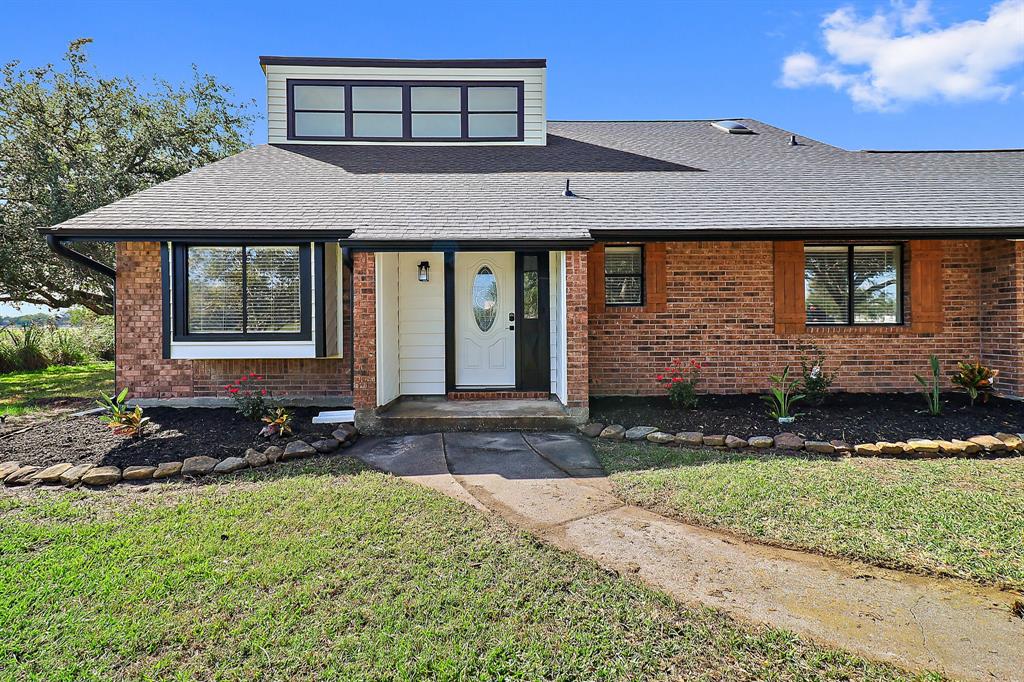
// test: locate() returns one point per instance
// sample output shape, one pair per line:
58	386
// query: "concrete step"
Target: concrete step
410	416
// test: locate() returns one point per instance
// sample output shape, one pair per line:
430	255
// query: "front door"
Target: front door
485	305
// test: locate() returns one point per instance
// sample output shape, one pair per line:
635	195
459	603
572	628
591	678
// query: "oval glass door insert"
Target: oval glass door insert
485	298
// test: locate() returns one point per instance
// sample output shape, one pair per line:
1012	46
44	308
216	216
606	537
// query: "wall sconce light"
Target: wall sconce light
424	271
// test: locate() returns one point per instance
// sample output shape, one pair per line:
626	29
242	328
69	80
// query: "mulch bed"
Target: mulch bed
174	434
853	417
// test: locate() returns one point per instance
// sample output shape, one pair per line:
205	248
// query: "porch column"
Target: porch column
1002	312
576	331
364	334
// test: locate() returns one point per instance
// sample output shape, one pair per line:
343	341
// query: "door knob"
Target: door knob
511	317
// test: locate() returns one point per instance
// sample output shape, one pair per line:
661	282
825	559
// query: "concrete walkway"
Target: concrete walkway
553	486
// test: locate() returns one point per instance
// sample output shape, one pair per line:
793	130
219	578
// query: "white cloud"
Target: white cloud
900	56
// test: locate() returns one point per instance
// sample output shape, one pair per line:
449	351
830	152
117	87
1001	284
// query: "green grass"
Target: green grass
23	392
961	517
317	570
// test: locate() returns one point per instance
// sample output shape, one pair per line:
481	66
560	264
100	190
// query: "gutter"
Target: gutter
56	244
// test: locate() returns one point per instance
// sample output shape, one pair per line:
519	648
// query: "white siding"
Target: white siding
558	341
421	325
534	114
387	328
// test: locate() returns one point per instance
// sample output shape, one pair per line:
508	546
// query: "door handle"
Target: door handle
511	317
511	327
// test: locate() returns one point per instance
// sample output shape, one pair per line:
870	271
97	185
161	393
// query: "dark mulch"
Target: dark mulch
174	434
853	417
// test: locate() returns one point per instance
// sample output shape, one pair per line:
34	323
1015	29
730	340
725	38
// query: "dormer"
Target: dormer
319	100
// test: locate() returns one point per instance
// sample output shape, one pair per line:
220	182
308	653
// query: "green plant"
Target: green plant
27	349
815	381
119	418
252	401
975	378
681	383
782	394
931	392
277	424
65	347
7	363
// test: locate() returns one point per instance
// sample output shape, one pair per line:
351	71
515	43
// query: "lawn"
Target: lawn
961	517
319	570
22	392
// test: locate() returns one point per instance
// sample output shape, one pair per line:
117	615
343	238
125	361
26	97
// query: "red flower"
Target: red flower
263	391
233	390
259	376
228	387
661	377
676	379
252	376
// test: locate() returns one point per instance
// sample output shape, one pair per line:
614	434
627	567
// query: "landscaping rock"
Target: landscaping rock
229	465
614	432
988	443
691	438
716	441
734	442
8	468
819	446
167	469
274	453
947	447
345	432
661	437
198	466
761	441
788	441
75	473
255	458
887	448
102	476
1012	440
138	473
904	448
592	430
326	445
640	432
841	446
51	474
867	449
298	448
20	475
967	447
923	446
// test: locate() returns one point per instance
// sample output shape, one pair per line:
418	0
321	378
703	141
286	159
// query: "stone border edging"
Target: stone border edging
14	473
1005	443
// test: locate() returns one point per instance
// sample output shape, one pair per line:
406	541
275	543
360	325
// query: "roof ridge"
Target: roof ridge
651	120
939	151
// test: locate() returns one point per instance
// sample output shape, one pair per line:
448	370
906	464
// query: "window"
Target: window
623	275
485	298
402	111
531	288
853	285
242	292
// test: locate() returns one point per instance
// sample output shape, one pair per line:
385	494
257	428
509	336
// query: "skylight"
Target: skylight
734	127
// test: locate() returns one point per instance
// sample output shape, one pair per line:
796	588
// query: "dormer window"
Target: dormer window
399	111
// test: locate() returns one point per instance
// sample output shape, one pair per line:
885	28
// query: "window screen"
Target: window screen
623	275
852	284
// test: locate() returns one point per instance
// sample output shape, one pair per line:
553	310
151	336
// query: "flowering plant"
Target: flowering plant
252	400
680	381
816	381
277	424
975	378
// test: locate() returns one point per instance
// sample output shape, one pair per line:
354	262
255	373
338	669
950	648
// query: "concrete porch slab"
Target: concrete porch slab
431	415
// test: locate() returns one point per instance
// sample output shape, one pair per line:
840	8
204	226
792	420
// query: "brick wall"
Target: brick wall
577	326
141	367
1002	312
720	300
364	275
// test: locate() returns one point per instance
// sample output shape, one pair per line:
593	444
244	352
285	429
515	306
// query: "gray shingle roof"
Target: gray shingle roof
680	176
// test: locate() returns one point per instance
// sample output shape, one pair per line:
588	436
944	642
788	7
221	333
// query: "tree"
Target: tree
71	142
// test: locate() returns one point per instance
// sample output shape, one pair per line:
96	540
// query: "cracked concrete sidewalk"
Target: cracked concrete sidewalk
553	486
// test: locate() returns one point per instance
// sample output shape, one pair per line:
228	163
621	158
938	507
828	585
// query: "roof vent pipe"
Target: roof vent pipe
567	192
792	141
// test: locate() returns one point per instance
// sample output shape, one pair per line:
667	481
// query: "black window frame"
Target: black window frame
642	274
850	248
406	112
180	286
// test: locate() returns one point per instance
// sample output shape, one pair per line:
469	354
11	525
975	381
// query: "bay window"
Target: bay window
853	284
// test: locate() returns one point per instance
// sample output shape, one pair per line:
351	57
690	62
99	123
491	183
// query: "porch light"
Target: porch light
424	271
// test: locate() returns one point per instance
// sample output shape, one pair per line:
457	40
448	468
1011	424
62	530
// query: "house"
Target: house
420	228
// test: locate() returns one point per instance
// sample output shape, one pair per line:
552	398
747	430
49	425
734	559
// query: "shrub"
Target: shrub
27	350
121	419
976	379
680	381
782	394
277	424
931	393
97	334
252	401
6	357
816	381
65	347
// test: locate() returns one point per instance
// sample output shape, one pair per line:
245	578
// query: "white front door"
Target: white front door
485	341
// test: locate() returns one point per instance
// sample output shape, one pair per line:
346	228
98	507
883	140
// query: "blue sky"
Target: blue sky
861	75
